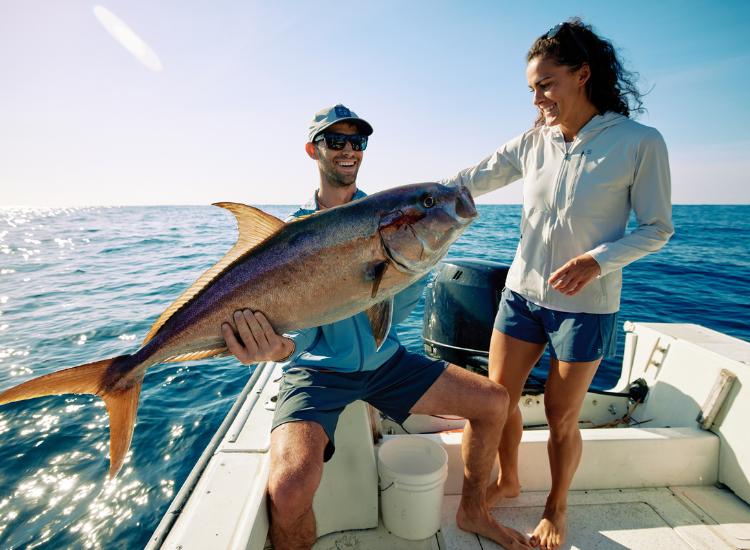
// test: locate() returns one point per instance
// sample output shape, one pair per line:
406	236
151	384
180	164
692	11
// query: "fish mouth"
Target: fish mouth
466	210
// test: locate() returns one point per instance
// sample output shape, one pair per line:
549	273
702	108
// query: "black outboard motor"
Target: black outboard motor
459	311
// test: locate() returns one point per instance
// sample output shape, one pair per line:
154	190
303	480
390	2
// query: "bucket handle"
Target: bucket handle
384	490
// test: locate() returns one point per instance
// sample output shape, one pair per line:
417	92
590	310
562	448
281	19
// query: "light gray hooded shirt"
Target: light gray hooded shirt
579	202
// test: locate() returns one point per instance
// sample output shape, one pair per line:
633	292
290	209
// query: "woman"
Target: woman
584	165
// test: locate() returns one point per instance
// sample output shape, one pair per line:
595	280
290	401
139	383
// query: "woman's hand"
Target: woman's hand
259	341
575	275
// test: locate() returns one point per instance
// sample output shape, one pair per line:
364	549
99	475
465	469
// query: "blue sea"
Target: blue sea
83	284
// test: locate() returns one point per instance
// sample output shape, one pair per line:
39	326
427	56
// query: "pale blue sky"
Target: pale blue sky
82	122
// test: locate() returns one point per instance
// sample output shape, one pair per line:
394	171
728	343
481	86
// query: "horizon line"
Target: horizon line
3	206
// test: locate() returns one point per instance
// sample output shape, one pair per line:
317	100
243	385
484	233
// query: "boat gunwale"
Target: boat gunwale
178	503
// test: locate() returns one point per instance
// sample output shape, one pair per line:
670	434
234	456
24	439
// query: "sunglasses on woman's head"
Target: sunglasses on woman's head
338	141
554	31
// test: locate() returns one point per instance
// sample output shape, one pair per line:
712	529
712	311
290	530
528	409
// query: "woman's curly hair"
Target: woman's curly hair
610	87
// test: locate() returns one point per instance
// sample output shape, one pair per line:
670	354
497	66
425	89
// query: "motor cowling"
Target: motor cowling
459	311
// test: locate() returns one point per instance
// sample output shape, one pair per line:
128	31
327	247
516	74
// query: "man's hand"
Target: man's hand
259	341
575	275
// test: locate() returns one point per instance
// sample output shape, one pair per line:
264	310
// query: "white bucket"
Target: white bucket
412	474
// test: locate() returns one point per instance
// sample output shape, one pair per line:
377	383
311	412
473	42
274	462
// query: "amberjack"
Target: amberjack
315	270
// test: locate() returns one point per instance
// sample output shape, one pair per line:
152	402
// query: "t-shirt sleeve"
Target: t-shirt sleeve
303	340
406	300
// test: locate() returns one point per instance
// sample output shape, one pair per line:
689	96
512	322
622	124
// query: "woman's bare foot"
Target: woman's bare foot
483	524
550	533
500	490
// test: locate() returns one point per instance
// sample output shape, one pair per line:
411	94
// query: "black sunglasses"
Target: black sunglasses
554	31
338	141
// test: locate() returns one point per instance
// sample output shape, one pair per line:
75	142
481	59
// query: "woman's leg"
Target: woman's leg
565	391
511	361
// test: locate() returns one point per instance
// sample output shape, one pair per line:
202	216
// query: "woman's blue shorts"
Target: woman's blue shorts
572	337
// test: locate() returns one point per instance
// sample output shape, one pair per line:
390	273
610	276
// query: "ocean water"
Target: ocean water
82	284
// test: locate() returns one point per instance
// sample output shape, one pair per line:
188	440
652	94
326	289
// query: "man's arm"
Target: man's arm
260	342
406	300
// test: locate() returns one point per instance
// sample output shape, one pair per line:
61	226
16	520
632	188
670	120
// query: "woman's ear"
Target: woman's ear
584	73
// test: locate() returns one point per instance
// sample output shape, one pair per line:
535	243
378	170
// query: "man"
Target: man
331	366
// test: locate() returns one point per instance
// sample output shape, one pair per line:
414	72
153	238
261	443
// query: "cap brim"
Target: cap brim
362	125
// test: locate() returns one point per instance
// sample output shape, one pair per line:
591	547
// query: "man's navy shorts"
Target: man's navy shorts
572	337
321	396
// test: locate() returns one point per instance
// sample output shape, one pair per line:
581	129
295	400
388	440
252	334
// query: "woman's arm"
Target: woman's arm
498	170
650	196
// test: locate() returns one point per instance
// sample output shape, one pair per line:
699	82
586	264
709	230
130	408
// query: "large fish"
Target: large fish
315	270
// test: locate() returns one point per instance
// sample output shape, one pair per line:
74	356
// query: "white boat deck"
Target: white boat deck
665	483
637	519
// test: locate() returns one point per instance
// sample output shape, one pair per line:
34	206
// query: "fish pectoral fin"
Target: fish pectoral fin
254	227
122	407
379	270
381	317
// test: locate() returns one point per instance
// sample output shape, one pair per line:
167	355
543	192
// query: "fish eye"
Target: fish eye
428	201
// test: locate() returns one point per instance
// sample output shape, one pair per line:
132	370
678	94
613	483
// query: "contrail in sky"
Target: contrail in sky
125	36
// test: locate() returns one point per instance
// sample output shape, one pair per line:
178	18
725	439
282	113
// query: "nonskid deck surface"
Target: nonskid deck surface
612	519
377	539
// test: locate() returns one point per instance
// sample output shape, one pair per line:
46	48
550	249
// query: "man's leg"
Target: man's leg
566	389
485	405
511	361
295	473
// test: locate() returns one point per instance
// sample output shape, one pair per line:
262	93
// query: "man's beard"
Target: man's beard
334	178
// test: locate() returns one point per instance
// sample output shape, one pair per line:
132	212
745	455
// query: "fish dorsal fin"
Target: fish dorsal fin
254	225
303	216
381	316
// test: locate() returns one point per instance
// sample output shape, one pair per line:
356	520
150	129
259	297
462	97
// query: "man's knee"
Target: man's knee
497	399
490	401
296	466
291	492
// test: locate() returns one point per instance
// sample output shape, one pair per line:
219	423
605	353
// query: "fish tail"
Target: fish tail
121	401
